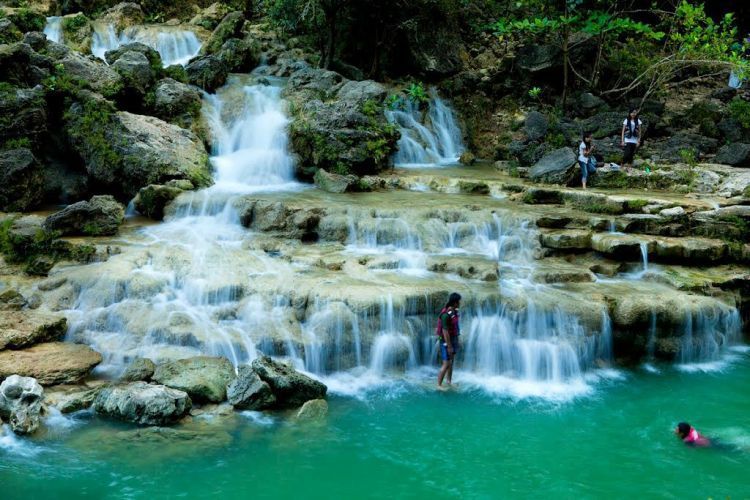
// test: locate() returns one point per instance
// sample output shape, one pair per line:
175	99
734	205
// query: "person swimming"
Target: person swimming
690	436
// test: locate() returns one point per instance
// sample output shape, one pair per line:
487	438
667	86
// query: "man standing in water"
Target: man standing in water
448	331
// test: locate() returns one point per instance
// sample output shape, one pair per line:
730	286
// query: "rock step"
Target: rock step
689	250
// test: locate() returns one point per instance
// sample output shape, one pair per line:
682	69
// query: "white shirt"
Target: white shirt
581	150
633	139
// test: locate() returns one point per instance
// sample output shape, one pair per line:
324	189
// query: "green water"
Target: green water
406	441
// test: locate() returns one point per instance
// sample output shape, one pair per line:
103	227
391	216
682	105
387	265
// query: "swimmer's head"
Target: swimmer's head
682	430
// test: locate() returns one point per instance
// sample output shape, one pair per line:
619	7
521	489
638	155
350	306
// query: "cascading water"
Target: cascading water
173	45
431	138
53	29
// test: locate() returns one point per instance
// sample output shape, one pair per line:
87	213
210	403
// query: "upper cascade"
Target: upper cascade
429	138
175	46
250	151
53	29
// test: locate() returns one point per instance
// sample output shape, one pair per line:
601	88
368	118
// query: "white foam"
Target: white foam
258	417
15	445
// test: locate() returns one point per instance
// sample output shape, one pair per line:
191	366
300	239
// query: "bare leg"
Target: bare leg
442	373
449	374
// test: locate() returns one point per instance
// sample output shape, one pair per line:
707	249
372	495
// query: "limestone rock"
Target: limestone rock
22	66
536	126
11	300
334	183
124	151
102	215
204	378
152	200
140	369
239	55
21	181
50	363
23	113
571	239
135	70
672	212
123	15
151	55
9	33
313	411
691	250
290	387
249	392
229	27
173	99
93	72
207	72
557	167
21	403
69	399
143	403
20	329
620	246
736	154
210	17
77	32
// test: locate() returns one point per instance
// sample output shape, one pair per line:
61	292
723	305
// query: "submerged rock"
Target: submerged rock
204	378
334	183
313	410
290	387
21	403
249	392
102	215
50	363
143	403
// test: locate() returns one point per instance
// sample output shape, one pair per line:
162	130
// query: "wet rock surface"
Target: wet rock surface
21	403
204	378
249	392
143	403
102	215
50	363
290	387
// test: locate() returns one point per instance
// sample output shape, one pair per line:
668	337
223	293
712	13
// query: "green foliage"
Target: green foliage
535	92
89	124
416	93
689	157
20	142
600	208
371	108
62	82
394	102
739	109
28	20
636	205
74	23
555	140
175	72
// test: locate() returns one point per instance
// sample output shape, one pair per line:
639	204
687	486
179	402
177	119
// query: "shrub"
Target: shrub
739	109
75	23
28	20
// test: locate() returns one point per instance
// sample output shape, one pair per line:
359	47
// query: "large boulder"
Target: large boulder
210	17
123	151
91	72
102	215
153	57
537	57
23	113
77	32
50	363
20	329
23	66
249	392
557	167
21	181
204	378
9	33
736	154
135	70
314	410
207	72
341	129
290	387
239	55
173	99
21	403
536	126
679	146
123	15
229	27
143	403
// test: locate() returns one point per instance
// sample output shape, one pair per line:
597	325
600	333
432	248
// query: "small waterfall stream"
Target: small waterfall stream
53	29
175	46
428	138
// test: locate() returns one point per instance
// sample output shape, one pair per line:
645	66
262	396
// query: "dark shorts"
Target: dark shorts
444	348
628	153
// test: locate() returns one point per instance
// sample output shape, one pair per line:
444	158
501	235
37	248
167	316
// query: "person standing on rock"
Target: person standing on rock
586	157
630	138
448	330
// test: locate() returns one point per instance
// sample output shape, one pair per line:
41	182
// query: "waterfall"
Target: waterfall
644	255
705	332
175	46
53	29
250	147
431	138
